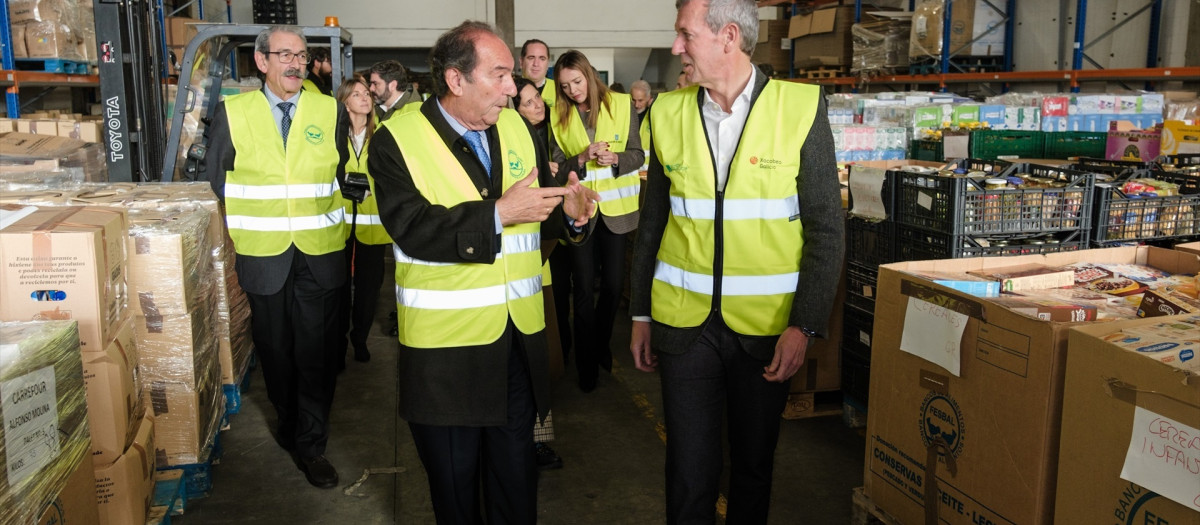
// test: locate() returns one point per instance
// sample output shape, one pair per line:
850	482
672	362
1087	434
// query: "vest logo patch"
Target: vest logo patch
314	135
765	163
516	165
676	168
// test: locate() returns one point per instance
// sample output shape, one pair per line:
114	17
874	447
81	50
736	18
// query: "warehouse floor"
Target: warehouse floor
609	441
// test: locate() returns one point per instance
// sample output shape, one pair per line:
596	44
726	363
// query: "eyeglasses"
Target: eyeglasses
287	56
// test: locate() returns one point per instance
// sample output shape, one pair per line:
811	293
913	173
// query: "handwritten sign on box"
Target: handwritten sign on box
934	333
866	188
1164	456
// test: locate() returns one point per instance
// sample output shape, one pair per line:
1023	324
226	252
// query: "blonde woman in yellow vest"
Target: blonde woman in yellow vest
368	241
595	134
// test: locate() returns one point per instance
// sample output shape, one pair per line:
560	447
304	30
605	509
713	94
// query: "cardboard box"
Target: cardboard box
1179	137
114	395
1109	384
65	263
170	263
49	40
1125	142
821	370
75	504
26	11
125	488
37	126
85	131
18	40
823	37
996	424
181	30
769	50
186	419
1191	247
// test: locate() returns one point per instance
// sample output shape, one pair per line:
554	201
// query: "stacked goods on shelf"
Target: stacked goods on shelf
179	30
824	35
71	125
51	28
1129	458
29	152
968	392
989	208
174	300
1126	142
880	44
1140	204
773	47
856	143
976	29
44	442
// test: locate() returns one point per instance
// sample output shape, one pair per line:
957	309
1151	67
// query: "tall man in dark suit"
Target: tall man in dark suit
737	259
275	157
466	192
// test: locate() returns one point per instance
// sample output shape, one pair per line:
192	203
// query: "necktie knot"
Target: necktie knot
285	124
475	140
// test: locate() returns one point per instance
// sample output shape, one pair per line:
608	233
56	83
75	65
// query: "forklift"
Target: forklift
206	59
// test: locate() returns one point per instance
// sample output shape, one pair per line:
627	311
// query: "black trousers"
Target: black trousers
360	295
291	335
594	315
560	274
712	381
459	460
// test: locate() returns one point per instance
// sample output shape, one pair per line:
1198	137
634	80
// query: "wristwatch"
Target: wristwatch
808	332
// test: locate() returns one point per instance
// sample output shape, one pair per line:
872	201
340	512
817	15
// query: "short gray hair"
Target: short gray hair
262	44
742	13
640	84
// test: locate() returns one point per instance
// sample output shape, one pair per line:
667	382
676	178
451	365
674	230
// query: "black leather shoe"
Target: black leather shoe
547	458
319	471
361	354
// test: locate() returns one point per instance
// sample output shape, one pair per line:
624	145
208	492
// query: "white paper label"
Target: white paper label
866	188
30	411
1164	456
934	333
924	200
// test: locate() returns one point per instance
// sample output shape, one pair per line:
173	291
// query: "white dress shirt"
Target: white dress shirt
725	129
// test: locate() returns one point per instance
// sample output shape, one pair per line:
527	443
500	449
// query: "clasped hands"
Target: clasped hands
522	203
598	151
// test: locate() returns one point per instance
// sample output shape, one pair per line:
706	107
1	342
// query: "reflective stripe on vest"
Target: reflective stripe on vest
452	304
762	238
368	227
275	197
619	194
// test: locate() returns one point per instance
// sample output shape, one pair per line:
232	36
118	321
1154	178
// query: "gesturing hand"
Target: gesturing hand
580	201
522	203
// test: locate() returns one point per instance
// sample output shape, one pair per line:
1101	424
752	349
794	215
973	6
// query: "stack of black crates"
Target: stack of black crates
275	12
1127	216
972	208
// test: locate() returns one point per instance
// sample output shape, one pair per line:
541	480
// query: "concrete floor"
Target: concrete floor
609	441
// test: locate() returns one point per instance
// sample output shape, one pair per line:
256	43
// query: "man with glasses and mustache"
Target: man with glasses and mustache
275	158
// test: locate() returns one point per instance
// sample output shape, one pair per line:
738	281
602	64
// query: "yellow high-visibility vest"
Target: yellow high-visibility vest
368	228
619	195
467	304
276	197
755	220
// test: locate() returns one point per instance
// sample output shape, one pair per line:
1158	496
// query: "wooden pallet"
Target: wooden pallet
813	404
52	65
822	72
865	512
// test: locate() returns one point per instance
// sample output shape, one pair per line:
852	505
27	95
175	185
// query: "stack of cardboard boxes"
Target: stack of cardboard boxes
53	29
27	154
51	122
982	414
70	263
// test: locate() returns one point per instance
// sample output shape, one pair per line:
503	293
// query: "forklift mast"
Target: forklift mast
203	66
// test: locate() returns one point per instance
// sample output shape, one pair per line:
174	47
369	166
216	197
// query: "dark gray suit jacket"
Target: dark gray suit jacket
266	275
820	212
465	386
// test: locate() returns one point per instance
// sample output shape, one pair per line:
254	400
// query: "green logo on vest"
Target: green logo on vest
314	135
516	166
673	168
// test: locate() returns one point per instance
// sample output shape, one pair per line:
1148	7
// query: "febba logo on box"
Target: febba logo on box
1136	506
941	417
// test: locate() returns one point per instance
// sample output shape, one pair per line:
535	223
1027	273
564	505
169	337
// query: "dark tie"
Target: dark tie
285	124
476	142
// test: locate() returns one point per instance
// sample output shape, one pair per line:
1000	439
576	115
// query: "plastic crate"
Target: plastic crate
916	244
1122	218
964	206
1067	144
856	378
992	144
931	150
861	283
870	243
857	329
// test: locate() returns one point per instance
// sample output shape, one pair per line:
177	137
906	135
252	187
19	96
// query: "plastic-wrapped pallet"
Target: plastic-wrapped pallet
29	152
170	271
880	44
44	442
